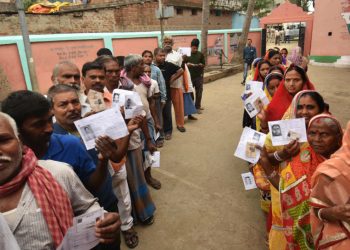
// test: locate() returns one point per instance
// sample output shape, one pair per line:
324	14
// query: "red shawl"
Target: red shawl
49	195
281	101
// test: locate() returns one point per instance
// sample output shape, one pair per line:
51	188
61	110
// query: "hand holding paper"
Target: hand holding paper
109	122
254	103
107	228
246	148
285	131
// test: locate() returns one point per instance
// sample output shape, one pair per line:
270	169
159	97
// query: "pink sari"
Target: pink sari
331	187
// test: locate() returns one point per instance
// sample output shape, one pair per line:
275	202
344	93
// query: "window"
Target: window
218	12
194	12
179	11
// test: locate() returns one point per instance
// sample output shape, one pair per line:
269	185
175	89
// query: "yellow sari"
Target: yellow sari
277	239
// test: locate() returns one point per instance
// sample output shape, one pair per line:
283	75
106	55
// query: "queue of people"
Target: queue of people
47	174
304	186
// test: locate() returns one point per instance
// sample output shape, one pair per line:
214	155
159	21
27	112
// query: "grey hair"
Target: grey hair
57	67
168	38
131	61
11	121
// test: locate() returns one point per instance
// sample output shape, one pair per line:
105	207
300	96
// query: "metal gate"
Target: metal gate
301	41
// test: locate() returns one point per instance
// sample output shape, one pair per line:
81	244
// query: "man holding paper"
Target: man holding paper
137	83
31	190
176	92
196	64
171	72
67	110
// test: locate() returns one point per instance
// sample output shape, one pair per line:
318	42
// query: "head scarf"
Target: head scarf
337	168
267	81
282	99
295	193
295	56
291	112
257	75
49	195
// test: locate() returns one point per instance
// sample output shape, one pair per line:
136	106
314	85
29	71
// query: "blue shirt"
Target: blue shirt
69	149
157	75
249	54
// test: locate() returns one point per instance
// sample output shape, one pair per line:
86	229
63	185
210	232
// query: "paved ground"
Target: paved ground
202	204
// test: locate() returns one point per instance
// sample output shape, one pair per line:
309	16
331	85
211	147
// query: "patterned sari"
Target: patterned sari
330	187
295	182
295	190
277	239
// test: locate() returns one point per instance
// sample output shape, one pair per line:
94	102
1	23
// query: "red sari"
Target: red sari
281	101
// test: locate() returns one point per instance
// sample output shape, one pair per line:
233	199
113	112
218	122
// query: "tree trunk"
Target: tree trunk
204	30
238	57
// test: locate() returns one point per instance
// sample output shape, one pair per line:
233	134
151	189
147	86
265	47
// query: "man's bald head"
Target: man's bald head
66	72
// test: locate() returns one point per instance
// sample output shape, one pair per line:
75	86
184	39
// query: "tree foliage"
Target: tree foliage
304	4
262	7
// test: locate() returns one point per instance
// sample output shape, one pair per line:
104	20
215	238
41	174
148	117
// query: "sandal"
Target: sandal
131	238
168	137
159	143
149	221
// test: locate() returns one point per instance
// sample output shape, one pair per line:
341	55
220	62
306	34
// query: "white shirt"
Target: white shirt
175	58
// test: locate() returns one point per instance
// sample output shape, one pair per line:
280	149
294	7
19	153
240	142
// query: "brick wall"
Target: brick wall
135	17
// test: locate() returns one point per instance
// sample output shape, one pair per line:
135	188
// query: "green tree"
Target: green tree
261	8
304	4
238	57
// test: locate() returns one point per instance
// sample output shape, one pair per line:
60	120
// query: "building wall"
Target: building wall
338	42
48	50
134	17
238	21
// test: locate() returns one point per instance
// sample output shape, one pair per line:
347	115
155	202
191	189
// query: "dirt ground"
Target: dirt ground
202	203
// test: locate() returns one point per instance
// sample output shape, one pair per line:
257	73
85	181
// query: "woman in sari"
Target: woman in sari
254	65
271	83
260	74
261	71
305	104
273	57
295	80
294	178
330	200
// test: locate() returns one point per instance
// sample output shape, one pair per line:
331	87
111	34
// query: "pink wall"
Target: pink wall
11	65
47	54
231	41
182	41
124	47
339	43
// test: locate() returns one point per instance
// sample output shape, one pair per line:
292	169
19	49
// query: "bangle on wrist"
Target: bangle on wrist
277	157
319	214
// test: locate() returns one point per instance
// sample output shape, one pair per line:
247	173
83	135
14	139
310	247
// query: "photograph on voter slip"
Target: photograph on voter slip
246	148
285	131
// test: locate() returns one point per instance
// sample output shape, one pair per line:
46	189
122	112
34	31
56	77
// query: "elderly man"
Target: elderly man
171	72
176	92
39	198
33	115
67	109
133	78
66	72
